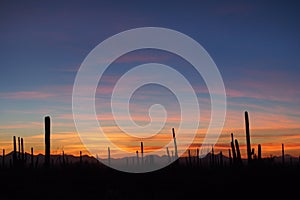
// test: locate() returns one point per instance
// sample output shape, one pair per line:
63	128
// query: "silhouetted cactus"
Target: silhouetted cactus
14	161
233	148
137	158
142	153
63	158
108	156
259	152
22	150
175	143
197	157
32	157
47	141
249	153
238	152
19	148
168	153
230	157
282	153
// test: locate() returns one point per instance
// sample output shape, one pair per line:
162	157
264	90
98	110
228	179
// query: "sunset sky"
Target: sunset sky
255	45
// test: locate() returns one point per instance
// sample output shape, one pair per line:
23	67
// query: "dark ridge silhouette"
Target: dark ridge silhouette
189	177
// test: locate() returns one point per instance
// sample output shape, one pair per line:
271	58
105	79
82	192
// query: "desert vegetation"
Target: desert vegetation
66	176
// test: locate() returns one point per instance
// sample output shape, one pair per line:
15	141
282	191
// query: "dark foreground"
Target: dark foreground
90	182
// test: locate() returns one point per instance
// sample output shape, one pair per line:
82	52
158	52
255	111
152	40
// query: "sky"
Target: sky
254	44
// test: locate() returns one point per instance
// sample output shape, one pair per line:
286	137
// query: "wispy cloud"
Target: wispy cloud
26	95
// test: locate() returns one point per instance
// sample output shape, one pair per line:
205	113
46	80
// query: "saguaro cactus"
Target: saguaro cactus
233	148
142	153
22	150
108	156
168	153
15	151
282	153
19	148
137	158
32	164
259	152
175	143
63	158
238	152
47	141
230	158
249	153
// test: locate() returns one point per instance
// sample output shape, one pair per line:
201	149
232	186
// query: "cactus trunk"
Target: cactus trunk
22	150
64	160
259	152
108	156
233	149
282	153
14	162
230	158
168	153
32	157
175	143
197	157
137	158
238	152
19	148
142	153
47	141
249	154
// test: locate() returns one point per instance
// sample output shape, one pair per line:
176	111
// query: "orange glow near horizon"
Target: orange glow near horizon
70	143
263	130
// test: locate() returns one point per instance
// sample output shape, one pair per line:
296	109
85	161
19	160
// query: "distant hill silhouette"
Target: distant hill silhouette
58	160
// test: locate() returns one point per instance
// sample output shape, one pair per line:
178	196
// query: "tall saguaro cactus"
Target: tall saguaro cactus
32	164
142	153
282	153
19	148
230	158
233	148
175	143
22	150
238	152
259	151
168	153
47	141
108	156
15	151
249	153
